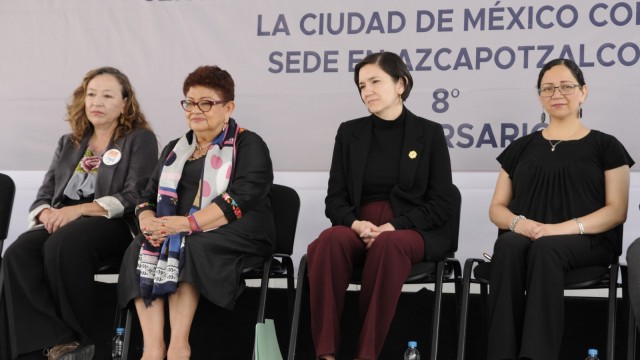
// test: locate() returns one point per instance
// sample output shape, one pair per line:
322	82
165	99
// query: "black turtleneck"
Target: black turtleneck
381	169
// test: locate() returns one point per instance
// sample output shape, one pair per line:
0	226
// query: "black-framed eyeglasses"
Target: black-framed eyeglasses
203	105
565	89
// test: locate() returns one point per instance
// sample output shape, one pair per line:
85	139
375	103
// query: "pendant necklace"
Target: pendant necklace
553	146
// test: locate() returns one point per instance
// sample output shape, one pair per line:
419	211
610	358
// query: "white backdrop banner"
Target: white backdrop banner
475	65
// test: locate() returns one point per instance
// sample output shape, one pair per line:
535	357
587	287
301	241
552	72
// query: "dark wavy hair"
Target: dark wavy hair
132	118
570	64
390	63
212	77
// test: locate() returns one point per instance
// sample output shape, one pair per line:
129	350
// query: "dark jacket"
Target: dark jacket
249	186
422	198
118	186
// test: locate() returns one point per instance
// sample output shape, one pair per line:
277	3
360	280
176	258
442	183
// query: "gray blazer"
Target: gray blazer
117	187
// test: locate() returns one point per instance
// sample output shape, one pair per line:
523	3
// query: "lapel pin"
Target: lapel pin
412	154
111	157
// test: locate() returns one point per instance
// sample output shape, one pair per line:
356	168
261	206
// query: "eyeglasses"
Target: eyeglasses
203	105
565	89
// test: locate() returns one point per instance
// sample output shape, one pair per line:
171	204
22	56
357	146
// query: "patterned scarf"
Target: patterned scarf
159	267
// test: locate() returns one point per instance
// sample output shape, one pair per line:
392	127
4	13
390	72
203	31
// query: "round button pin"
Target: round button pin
111	157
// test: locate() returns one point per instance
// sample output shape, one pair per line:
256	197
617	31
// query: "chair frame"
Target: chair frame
280	263
444	269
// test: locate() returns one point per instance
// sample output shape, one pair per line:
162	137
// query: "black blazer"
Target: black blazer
118	185
422	198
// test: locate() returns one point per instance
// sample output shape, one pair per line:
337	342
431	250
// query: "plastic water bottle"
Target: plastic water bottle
593	354
412	352
117	344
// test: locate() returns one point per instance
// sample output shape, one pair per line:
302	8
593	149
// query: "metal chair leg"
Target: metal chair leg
293	335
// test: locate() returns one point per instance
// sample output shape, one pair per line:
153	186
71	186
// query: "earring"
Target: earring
122	119
580	113
543	117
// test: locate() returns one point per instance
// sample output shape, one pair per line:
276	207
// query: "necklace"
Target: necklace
196	155
553	146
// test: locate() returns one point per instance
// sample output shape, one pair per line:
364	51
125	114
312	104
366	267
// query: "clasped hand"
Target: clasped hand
156	230
368	231
535	230
53	219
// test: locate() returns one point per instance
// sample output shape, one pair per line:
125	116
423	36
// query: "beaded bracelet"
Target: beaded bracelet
580	225
515	221
193	224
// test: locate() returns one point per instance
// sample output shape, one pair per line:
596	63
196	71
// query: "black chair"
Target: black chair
286	207
631	320
7	194
111	267
436	272
285	203
588	277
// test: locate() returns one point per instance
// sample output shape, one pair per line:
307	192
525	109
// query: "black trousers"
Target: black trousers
47	296
530	326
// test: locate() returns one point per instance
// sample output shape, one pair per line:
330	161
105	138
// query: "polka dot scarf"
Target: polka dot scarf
159	267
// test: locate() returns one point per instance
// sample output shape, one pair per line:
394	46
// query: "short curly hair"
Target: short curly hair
212	77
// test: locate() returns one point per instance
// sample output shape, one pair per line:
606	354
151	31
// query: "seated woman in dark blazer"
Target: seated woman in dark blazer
389	193
82	216
205	210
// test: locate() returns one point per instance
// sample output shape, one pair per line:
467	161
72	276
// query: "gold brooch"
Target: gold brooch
412	154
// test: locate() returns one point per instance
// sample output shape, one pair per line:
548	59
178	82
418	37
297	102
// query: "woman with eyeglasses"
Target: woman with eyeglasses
559	203
82	217
205	210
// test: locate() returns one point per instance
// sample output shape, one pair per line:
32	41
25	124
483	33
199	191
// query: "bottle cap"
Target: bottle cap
593	352
413	344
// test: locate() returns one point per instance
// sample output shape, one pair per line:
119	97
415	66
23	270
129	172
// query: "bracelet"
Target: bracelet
515	221
193	223
580	225
144	206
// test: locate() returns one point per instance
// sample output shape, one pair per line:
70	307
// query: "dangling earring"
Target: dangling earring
543	117
580	112
122	119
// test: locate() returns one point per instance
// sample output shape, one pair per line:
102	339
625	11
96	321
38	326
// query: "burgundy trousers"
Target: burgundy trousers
386	265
